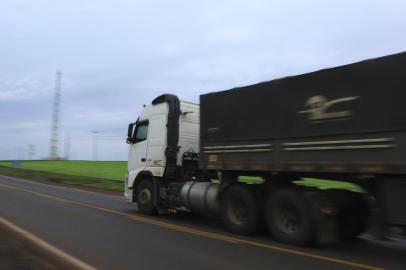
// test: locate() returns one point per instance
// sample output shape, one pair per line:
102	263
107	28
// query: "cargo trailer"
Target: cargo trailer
345	124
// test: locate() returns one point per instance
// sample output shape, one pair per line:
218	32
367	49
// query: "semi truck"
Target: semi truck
346	124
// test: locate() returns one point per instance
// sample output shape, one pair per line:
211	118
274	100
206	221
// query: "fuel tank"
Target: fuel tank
201	197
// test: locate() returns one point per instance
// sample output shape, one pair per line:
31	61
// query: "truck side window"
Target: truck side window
141	132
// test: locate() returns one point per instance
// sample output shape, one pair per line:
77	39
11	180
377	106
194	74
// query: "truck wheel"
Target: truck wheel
289	217
145	198
241	211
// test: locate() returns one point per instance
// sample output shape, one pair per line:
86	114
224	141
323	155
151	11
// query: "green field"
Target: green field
310	182
114	170
95	174
110	174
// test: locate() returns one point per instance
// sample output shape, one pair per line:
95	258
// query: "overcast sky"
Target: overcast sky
117	55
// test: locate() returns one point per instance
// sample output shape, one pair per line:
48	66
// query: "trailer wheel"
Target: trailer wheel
145	198
290	218
241	210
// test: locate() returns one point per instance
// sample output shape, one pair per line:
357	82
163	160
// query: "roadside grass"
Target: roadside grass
307	182
108	175
114	170
329	184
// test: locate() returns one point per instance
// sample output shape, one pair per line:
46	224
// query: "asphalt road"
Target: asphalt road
15	255
107	233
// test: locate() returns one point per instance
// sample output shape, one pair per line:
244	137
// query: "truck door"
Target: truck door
138	150
156	144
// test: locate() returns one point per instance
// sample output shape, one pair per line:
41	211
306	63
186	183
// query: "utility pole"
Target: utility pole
66	146
20	152
31	151
53	143
95	139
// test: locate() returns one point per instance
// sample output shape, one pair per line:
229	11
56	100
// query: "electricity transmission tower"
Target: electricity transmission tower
53	143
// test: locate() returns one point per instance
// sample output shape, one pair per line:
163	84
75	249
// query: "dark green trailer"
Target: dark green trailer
345	123
349	119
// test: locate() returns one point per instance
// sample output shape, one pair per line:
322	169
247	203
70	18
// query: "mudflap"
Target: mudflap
156	193
325	215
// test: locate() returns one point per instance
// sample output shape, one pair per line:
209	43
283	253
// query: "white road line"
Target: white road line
51	251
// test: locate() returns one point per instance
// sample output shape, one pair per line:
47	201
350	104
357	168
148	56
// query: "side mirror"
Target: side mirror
130	133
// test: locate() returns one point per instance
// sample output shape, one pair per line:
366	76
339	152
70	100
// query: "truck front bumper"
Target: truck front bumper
128	192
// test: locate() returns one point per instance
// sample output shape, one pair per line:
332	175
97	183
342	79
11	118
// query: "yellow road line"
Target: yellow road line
203	233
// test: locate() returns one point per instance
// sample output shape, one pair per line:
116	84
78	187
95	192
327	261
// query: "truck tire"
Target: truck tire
289	217
145	198
241	210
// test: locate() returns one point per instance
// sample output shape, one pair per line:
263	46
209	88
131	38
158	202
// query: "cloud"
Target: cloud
117	56
28	87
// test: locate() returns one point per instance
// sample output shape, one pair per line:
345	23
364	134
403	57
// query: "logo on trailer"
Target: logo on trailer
318	107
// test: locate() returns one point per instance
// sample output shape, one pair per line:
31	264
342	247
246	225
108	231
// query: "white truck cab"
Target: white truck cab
159	139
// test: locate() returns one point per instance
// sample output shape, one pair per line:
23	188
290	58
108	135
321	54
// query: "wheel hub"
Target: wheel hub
288	220
145	196
238	212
